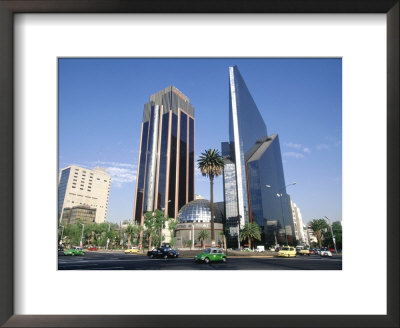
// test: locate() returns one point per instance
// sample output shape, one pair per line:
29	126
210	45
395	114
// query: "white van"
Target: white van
260	249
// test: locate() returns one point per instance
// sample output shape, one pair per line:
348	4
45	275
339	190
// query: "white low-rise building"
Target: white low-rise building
298	224
81	186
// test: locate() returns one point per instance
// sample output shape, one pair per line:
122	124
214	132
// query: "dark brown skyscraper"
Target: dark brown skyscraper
165	176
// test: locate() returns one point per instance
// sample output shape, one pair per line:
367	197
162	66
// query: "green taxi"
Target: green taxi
287	251
211	255
74	251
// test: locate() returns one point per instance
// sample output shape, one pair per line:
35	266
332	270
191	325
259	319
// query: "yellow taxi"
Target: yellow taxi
287	251
132	250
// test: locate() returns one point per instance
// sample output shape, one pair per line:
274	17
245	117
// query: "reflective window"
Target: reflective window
62	188
267	208
172	165
191	159
182	160
141	176
163	161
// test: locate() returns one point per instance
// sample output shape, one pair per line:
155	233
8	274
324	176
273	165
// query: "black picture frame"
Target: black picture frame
10	7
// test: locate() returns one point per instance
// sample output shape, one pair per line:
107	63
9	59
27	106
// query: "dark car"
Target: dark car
60	248
163	252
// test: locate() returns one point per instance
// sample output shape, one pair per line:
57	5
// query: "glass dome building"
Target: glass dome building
196	211
194	217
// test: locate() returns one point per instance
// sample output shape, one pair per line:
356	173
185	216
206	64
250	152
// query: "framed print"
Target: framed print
38	36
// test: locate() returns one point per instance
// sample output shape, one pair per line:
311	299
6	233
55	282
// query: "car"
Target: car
312	252
163	252
92	248
211	255
302	250
325	252
60	248
287	251
132	250
76	250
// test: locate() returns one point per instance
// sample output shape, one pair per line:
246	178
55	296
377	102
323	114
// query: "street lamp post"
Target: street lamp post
333	237
279	195
238	231
192	246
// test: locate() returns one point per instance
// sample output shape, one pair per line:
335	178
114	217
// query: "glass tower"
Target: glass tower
252	161
165	177
246	126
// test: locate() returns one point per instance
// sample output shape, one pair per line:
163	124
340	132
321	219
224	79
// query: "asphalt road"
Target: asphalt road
114	261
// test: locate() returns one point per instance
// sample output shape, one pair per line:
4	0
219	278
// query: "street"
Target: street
118	261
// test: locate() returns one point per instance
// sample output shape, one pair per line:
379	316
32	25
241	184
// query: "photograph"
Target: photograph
199	163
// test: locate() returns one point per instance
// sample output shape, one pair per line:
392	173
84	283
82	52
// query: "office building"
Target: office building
230	197
79	187
298	224
80	213
252	162
165	177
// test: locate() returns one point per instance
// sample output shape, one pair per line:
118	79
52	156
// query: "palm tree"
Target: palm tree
211	164
203	235
250	231
137	230
318	225
130	230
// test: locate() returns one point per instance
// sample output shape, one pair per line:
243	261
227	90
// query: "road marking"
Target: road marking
112	268
71	265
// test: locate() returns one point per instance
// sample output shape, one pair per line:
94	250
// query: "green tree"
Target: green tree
154	222
318	225
211	164
202	236
250	232
73	233
171	227
337	232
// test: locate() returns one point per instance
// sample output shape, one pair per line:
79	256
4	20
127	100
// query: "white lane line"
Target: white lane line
112	268
78	265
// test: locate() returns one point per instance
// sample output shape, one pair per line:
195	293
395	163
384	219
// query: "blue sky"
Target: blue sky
101	106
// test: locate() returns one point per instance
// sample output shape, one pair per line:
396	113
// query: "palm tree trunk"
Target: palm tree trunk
249	243
212	210
141	240
319	239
